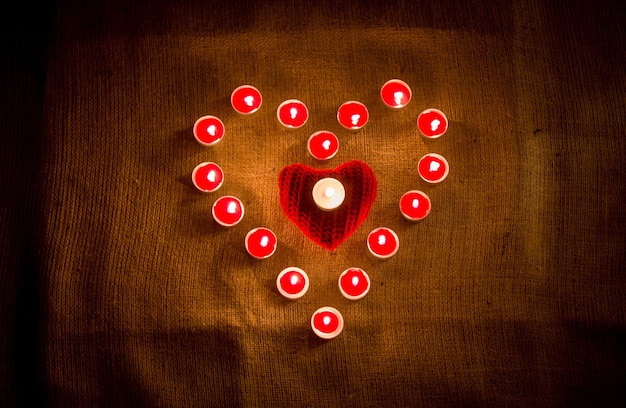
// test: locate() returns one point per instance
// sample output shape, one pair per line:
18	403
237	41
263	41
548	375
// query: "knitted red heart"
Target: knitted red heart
327	228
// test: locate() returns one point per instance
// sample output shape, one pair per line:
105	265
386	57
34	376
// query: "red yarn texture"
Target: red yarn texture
327	228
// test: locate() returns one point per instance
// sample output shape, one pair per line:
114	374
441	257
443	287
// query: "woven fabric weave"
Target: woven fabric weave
118	288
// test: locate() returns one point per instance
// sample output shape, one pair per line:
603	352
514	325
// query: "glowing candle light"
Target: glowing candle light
327	322
328	194
227	211
246	99
415	205
323	145
433	168
292	113
292	282
432	123
395	93
383	242
208	130
261	242
354	283
207	177
352	115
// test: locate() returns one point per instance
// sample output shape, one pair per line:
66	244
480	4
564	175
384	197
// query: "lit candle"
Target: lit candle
246	99
207	177
383	243
328	194
261	242
323	145
292	282
208	130
414	205
433	168
354	283
227	211
327	322
395	93
292	113
352	115
432	123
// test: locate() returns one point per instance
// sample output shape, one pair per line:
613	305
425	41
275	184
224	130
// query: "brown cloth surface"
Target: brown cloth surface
118	288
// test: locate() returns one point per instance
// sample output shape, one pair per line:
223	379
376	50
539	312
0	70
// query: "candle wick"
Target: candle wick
232	208
398	97
211	176
355	119
264	241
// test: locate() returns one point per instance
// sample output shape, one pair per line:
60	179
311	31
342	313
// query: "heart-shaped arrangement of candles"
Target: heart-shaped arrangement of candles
327	205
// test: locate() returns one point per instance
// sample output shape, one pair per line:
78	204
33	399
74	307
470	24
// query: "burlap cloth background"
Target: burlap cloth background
118	288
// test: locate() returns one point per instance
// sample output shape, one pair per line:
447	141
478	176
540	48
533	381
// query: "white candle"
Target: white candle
328	194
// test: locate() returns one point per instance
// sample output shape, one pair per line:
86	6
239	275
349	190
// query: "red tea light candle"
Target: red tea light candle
354	283
292	113
353	115
395	93
292	282
432	123
208	130
227	211
328	194
246	99
323	145
261	242
414	205
207	177
383	243
433	168
327	322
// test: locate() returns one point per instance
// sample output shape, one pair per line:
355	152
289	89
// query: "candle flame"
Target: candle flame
232	207
212	130
397	97
434	166
326	144
355	119
249	100
264	241
294	280
212	176
329	192
434	125
293	112
416	203
326	320
382	240
355	281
